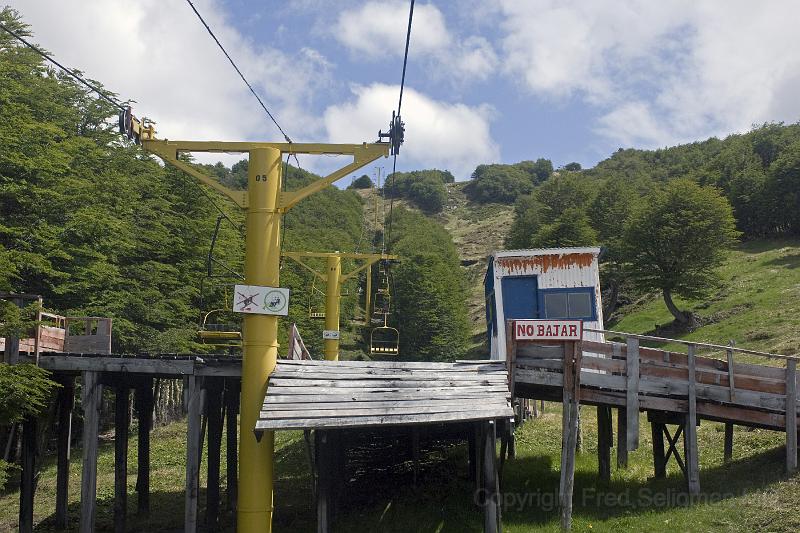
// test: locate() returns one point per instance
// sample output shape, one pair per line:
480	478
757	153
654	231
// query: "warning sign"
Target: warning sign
261	300
548	330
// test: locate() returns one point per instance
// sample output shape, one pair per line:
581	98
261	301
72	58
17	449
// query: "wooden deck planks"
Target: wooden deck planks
329	394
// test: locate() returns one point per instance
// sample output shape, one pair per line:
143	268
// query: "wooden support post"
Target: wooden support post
415	451
66	401
214	410
471	454
92	395
659	459
232	388
571	402
690	430
28	478
490	503
622	438
728	453
144	410
193	388
731	377
632	398
121	426
604	432
324	468
791	416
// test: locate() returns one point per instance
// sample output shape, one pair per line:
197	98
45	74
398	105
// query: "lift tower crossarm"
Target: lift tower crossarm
363	154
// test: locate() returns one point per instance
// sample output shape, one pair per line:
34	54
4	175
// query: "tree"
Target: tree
572	228
529	215
572	167
429	290
609	213
363	182
538	171
498	183
676	239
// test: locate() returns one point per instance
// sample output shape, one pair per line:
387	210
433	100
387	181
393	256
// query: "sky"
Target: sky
488	81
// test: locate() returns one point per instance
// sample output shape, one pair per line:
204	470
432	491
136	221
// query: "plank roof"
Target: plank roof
330	394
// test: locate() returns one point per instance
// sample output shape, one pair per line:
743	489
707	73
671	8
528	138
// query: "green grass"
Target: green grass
757	305
750	493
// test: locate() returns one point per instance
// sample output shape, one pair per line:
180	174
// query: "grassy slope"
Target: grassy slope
757	305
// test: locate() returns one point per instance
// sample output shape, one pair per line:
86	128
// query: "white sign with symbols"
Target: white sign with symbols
548	330
330	335
261	300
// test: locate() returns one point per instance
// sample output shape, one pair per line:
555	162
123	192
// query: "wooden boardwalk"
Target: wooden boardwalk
674	388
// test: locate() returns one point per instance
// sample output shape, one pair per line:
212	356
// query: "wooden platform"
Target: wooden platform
338	394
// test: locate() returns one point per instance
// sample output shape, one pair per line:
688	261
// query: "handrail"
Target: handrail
697	344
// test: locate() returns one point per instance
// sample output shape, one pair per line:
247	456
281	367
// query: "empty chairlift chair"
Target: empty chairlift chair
216	331
316	301
384	340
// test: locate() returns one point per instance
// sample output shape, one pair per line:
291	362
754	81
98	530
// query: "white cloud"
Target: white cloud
659	72
375	30
159	54
438	134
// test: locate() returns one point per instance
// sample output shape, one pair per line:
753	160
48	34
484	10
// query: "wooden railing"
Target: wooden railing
634	378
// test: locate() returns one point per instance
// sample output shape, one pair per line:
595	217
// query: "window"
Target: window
569	303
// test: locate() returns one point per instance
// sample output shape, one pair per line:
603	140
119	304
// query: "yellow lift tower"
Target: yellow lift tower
334	279
265	204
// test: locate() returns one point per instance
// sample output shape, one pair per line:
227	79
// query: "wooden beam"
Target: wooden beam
571	402
92	395
791	416
231	399
121	427
604	432
632	392
193	390
66	402
622	438
659	457
144	409
214	410
490	511
690	431
728	451
28	477
324	479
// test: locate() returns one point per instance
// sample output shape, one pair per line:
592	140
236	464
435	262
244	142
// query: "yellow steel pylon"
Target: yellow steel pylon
265	204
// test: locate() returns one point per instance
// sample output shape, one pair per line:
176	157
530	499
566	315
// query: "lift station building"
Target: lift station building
549	283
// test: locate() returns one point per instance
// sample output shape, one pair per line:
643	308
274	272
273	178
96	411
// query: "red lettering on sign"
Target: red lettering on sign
520	330
573	331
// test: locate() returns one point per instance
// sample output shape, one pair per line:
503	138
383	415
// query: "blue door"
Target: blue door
519	297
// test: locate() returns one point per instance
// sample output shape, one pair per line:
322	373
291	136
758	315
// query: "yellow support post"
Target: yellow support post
265	204
368	300
262	256
332	304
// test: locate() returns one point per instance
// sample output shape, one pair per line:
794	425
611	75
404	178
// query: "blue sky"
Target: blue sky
488	81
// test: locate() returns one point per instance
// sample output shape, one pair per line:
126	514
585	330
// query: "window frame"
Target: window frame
574	290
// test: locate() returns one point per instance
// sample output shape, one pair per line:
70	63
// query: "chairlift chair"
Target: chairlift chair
315	296
384	340
215	332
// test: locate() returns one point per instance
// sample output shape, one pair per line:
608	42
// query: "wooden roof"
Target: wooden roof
329	394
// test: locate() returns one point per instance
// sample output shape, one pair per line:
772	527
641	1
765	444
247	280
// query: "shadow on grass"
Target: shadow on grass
530	495
788	261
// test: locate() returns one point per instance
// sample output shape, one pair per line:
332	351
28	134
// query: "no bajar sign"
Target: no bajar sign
548	330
